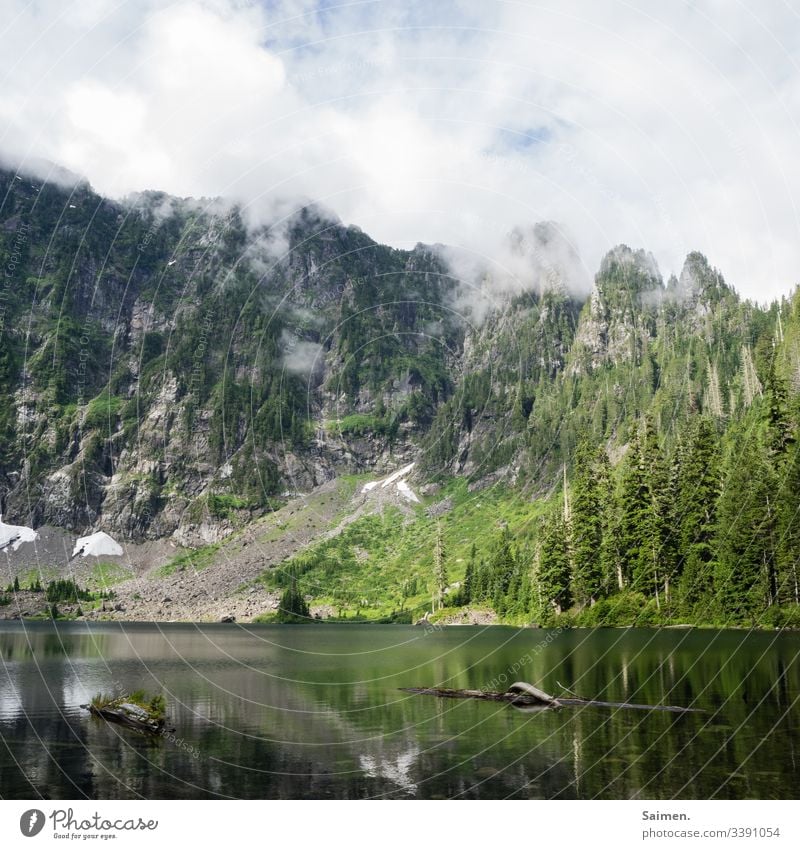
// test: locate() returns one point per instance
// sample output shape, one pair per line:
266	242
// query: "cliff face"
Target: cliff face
167	370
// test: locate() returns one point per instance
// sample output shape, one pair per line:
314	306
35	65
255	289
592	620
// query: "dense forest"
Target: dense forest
628	454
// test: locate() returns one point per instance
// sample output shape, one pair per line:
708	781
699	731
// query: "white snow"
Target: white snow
405	490
396	479
399	474
97	545
18	533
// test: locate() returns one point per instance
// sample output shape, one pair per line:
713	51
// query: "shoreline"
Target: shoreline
34	620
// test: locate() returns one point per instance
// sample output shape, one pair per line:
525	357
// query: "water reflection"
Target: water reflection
266	712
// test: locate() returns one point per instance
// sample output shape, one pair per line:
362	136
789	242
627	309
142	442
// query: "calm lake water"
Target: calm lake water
315	711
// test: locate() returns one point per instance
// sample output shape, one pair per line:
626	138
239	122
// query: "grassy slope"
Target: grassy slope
383	563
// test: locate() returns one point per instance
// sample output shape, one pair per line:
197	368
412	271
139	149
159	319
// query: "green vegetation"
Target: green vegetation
195	559
155	706
292	607
105	575
222	505
702	533
66	589
383	567
61	591
645	440
101	412
698	527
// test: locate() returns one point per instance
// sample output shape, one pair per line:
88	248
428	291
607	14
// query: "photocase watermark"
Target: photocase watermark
83	358
198	357
67	826
432	628
504	679
32	822
299	348
180	743
334	69
10	270
567	153
148	237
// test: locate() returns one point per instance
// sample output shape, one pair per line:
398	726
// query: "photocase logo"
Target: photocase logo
31	822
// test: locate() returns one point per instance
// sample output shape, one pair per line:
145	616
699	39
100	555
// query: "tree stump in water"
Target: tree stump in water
522	694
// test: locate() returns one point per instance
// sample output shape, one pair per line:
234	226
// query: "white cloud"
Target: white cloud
667	126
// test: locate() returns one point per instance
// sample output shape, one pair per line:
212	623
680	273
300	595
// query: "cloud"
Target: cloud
300	356
667	126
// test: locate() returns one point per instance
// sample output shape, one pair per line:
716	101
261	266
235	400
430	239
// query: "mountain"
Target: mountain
181	377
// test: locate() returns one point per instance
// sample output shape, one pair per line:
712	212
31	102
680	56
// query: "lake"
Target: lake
315	711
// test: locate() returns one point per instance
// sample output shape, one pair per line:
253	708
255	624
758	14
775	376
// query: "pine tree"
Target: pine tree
744	578
292	606
553	575
586	527
697	491
646	543
480	586
788	530
633	509
778	422
440	566
611	556
502	567
469	578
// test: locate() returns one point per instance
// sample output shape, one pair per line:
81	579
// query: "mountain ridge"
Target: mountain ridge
169	372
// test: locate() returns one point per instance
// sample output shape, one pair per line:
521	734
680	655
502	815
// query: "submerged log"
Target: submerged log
524	695
129	715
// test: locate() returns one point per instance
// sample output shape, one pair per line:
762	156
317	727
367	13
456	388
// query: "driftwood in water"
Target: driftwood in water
522	694
131	716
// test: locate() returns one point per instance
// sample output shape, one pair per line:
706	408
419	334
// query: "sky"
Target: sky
667	126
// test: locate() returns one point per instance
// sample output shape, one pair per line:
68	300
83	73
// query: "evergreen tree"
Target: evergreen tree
633	511
788	529
697	491
554	567
778	421
480	586
611	555
293	607
586	525
744	578
653	562
502	566
440	577
469	578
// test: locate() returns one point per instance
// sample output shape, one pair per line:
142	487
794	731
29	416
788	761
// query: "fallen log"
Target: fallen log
145	717
124	718
523	695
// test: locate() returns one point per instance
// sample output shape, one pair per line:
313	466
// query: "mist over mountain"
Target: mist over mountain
174	372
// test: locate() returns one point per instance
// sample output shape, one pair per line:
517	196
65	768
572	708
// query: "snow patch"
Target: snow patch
396	480
15	535
405	490
97	545
397	475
